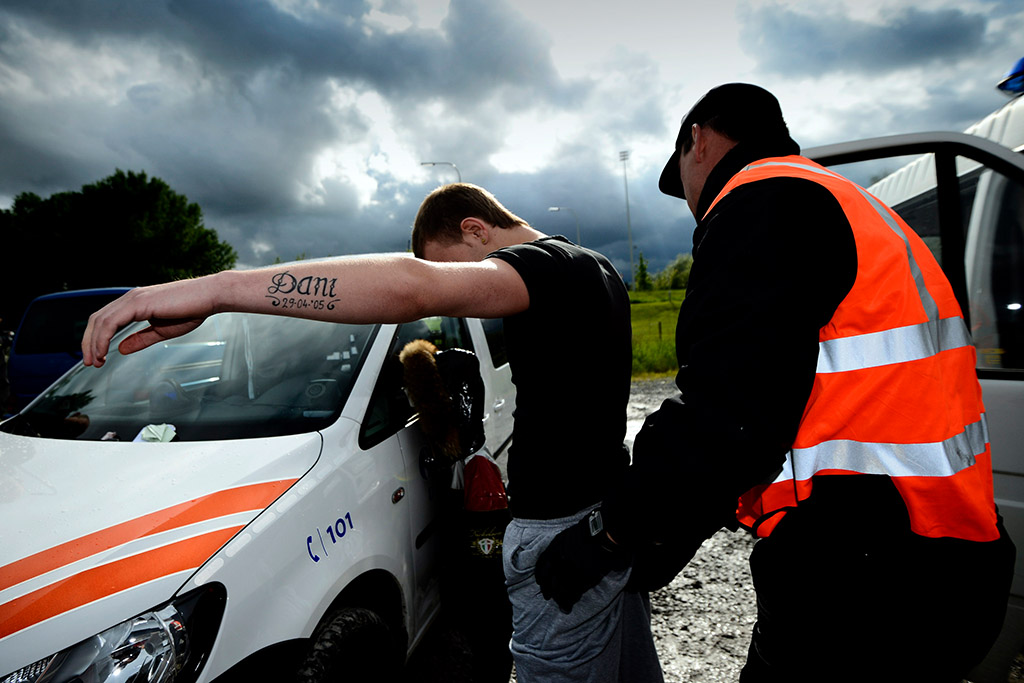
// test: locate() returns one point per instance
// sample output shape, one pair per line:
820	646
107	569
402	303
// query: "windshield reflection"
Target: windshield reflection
237	376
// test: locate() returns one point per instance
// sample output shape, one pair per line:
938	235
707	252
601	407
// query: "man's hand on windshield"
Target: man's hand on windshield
172	309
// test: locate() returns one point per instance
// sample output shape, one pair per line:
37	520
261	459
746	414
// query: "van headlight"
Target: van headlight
170	643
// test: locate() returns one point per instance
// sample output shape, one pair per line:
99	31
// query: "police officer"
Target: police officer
828	403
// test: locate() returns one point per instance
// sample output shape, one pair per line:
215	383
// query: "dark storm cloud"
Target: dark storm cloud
35	168
801	44
91	21
944	58
480	47
244	106
235	102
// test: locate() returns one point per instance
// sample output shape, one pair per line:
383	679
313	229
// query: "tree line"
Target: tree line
125	230
676	274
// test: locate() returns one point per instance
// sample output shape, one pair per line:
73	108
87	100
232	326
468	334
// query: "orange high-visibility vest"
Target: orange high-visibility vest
895	391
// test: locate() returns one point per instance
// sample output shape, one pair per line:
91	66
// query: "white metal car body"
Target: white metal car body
269	534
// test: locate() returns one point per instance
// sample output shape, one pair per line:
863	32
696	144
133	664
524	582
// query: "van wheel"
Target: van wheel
354	644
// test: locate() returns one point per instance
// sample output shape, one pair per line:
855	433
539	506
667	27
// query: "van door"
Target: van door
964	195
427	493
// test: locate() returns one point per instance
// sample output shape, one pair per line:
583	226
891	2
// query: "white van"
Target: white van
246	502
964	194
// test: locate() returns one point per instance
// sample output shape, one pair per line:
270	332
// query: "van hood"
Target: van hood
95	533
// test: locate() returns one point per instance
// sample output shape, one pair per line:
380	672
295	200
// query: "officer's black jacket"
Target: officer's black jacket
771	263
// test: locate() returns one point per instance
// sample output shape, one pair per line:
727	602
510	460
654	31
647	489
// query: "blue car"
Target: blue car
48	340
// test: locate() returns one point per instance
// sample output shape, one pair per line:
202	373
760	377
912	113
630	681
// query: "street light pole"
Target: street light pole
566	208
444	163
624	157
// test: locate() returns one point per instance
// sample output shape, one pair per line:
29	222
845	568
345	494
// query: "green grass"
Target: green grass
654	317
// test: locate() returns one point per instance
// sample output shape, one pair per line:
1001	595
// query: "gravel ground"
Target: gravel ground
702	620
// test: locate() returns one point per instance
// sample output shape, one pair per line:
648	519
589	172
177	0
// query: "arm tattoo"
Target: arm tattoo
317	293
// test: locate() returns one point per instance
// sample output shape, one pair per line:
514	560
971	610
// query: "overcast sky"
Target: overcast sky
300	126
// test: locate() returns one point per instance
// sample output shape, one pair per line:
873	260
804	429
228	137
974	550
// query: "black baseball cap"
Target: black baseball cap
741	111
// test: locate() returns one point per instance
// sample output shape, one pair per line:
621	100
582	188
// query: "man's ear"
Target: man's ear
699	142
474	228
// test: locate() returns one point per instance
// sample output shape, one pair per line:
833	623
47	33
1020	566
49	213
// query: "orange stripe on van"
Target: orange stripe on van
108	579
240	499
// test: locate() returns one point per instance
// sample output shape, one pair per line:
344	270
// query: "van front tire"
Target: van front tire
353	644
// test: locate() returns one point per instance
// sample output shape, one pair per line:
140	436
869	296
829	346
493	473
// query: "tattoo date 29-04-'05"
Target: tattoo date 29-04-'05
312	292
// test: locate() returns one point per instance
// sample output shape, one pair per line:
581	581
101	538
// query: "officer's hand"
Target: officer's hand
576	561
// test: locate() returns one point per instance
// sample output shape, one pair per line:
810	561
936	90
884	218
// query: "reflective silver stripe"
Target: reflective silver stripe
937	459
927	301
898	345
805	167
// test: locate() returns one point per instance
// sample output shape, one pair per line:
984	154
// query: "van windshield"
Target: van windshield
237	376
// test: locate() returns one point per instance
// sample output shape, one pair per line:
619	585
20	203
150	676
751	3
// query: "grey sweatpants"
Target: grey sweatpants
606	638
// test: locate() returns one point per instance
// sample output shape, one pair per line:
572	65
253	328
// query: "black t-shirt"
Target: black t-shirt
571	359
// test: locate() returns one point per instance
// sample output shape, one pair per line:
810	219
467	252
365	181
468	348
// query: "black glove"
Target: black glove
654	566
576	560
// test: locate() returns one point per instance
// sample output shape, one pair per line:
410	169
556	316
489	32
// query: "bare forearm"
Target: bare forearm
380	288
365	289
387	288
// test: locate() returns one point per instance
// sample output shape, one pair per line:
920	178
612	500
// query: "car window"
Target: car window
995	273
921	211
389	409
442	332
237	376
494	331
